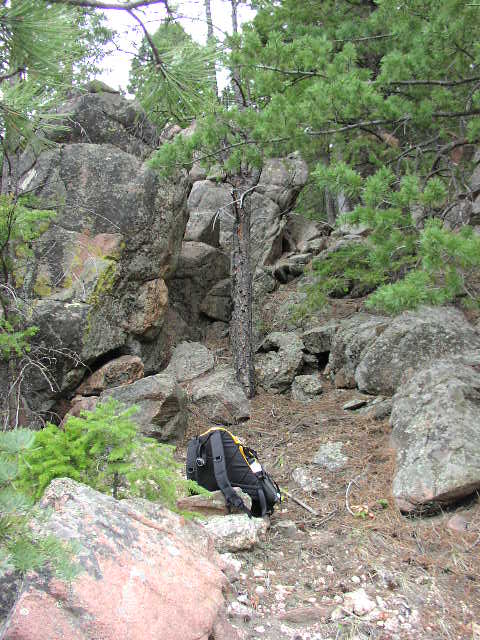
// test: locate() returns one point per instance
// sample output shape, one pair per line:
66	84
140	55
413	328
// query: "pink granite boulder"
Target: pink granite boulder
147	574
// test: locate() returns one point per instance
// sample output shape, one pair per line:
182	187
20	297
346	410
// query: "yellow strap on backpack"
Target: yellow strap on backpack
233	437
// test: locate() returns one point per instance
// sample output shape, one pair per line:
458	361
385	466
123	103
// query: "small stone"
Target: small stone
306	388
287	528
259	573
458	523
355	579
329	568
358	602
260	590
330	456
356	403
337	614
240	611
231	567
235	532
211	504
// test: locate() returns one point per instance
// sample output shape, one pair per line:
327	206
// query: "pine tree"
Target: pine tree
20	549
102	449
386	91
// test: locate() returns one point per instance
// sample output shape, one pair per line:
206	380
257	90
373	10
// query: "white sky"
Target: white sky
117	65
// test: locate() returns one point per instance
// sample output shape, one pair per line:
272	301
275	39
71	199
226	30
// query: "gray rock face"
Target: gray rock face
305	236
217	304
101	115
190	360
306	388
279	360
200	267
349	342
412	340
319	339
162	406
203	226
436	422
220	397
207	196
282	178
100	268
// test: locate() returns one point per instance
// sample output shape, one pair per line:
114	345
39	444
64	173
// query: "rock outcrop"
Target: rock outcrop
279	360
145	573
436	422
98	114
161	402
99	277
411	341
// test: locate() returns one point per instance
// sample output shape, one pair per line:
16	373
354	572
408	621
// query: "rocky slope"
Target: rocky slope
361	417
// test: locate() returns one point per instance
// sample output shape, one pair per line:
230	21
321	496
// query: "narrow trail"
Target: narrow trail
421	579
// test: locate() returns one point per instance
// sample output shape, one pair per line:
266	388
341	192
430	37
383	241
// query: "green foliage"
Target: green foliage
449	269
19	548
103	450
377	97
181	86
20	224
46	48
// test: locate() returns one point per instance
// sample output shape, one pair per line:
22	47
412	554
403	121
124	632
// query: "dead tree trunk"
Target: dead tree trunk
241	338
211	41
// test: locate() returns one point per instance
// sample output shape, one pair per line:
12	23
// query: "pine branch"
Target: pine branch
158	60
98	4
441	83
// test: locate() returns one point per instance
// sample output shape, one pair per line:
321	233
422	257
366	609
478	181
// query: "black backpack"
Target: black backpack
216	459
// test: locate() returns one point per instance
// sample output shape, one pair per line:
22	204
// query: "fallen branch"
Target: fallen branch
347	503
300	503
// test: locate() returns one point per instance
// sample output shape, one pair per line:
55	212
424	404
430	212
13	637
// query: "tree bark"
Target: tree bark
236	81
241	337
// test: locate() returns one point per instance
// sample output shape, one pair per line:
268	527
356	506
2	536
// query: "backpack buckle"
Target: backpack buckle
200	462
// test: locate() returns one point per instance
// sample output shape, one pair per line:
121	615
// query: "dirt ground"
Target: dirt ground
420	577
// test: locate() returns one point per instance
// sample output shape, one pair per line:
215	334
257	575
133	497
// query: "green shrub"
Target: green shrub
19	549
102	449
403	266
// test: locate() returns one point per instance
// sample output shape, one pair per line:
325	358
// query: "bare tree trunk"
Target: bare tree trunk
211	40
236	81
241	337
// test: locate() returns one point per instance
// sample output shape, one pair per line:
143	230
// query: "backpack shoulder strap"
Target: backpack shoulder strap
221	476
192	454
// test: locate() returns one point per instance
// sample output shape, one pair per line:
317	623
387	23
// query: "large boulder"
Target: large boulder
319	339
161	401
411	341
97	113
146	573
200	267
123	370
217	304
436	422
220	397
99	272
282	179
189	361
203	226
279	360
349	343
